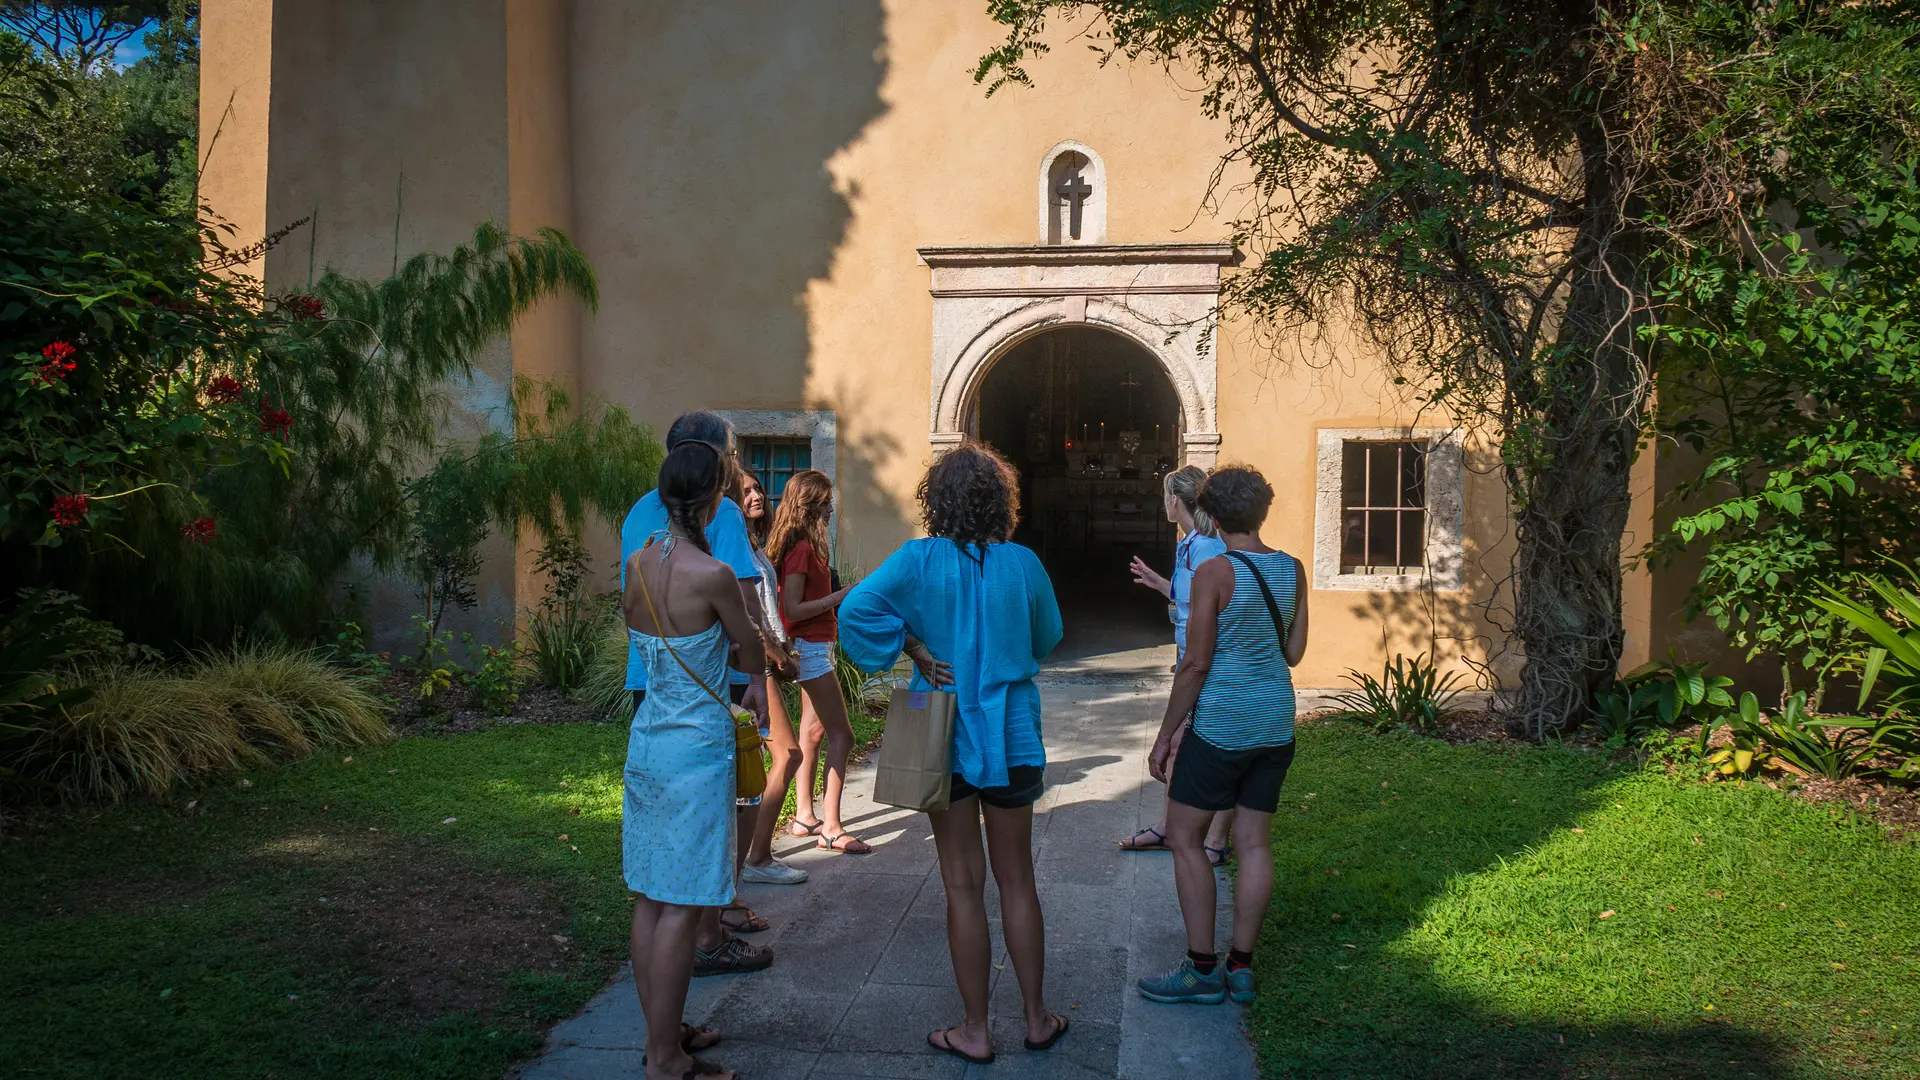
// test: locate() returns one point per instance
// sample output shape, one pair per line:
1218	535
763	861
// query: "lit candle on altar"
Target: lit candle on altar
1083	434
1156	437
1103	435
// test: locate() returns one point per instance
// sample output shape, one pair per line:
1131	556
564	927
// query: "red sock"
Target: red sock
1237	960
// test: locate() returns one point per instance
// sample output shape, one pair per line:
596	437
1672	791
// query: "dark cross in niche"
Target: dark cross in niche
1074	191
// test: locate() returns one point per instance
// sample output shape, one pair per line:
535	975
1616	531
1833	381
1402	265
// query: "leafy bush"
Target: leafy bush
1660	694
1410	693
561	637
494	682
144	730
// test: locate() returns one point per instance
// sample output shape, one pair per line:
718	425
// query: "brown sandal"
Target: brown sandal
845	843
747	921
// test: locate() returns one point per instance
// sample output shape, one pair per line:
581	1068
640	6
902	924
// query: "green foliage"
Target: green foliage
561	636
1832	748
1789	348
494	682
144	730
1666	694
430	667
1408	693
603	687
1891	664
113	335
66	111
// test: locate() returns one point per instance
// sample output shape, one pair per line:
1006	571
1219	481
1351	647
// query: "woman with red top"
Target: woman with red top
798	547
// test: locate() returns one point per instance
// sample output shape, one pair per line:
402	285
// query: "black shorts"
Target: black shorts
1206	777
1025	784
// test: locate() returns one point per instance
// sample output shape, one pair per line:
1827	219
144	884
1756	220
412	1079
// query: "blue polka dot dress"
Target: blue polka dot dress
677	823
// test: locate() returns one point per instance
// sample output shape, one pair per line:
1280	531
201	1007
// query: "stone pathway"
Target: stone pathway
861	971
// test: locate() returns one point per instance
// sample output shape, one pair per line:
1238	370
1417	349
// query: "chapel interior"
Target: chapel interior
1092	424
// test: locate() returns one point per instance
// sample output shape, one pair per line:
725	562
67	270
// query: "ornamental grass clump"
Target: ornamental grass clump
145	730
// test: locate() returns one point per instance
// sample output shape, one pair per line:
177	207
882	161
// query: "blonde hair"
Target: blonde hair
1185	484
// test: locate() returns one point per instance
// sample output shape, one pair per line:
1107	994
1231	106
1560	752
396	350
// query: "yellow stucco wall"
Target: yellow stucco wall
751	181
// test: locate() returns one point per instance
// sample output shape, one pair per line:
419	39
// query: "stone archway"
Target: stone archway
1163	297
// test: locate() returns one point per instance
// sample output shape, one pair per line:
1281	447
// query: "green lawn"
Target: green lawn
327	921
270	930
1442	911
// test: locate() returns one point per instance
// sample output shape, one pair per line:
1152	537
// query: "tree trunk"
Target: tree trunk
1573	497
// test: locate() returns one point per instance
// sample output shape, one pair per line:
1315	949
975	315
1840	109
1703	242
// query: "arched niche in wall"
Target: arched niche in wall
1073	195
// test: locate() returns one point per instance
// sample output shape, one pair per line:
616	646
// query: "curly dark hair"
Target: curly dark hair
971	496
1238	497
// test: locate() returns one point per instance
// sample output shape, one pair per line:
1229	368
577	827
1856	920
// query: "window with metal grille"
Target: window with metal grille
774	459
1383	507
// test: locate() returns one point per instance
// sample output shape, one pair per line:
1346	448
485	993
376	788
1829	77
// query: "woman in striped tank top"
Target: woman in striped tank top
1247	629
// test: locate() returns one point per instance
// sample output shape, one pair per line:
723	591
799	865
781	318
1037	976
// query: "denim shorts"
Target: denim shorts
814	658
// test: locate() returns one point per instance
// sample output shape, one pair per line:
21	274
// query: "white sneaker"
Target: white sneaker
774	873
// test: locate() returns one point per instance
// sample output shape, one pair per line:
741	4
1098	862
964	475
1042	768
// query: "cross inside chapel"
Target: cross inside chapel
1074	192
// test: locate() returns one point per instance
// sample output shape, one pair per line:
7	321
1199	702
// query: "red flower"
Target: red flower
274	421
199	530
225	389
302	308
69	510
59	362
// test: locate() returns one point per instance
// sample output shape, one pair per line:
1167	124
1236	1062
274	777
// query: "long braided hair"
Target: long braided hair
699	466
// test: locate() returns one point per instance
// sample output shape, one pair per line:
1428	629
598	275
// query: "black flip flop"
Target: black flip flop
1159	844
1047	1043
946	1045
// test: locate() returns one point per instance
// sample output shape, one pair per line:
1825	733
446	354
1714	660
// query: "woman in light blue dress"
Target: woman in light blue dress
683	609
1199	541
985	608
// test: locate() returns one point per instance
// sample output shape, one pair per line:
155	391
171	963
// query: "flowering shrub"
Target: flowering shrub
69	511
225	390
58	363
200	530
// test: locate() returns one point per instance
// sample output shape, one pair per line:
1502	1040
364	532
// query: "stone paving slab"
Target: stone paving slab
862	973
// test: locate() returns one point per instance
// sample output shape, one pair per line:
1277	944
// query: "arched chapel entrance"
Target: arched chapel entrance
1092	423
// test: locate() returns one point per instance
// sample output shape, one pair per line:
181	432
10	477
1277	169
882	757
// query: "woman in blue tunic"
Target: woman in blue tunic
985	607
682	607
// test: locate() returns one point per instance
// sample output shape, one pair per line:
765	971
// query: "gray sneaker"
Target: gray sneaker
1240	984
732	956
1185	985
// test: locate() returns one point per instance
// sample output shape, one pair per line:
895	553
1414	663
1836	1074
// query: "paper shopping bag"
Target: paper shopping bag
916	754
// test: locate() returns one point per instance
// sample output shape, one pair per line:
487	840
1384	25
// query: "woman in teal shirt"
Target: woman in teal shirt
985	607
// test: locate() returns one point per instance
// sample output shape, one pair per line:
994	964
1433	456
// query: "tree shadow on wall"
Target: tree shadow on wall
1359	863
702	139
1441	625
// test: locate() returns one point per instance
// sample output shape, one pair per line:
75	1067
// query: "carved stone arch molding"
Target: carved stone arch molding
1163	297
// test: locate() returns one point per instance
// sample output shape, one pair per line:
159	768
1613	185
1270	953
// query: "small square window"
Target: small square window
1383	506
773	460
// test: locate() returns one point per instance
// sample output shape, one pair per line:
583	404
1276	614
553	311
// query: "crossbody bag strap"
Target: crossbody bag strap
1280	628
647	594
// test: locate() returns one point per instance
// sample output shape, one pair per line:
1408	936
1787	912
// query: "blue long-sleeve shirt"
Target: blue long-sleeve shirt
993	620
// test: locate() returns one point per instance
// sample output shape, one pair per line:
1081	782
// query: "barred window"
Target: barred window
774	459
1383	506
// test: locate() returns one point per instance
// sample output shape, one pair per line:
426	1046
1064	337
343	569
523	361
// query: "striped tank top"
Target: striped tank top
1247	701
